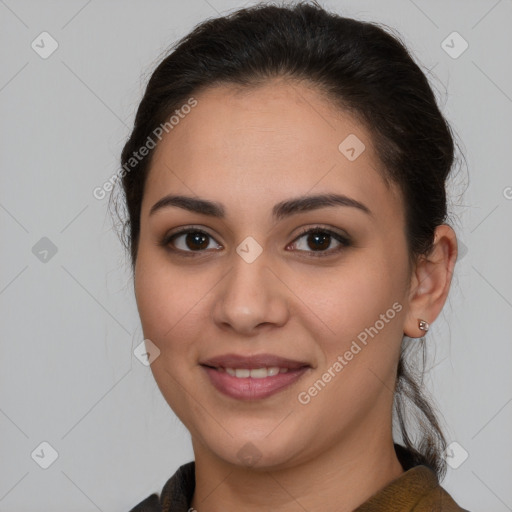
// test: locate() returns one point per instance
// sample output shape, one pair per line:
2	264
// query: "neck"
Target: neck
338	480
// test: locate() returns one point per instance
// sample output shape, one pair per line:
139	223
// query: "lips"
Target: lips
253	377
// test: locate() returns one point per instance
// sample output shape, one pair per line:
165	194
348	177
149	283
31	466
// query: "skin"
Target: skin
249	149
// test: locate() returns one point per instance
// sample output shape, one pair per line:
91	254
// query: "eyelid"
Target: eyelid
186	229
323	229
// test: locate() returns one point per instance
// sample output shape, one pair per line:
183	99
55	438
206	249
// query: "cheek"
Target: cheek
361	311
360	350
169	307
162	298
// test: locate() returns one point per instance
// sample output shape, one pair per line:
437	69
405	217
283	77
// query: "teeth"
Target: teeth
256	373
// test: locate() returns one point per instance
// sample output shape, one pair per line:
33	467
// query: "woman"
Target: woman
285	189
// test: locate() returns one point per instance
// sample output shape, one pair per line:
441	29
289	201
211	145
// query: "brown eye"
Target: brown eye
318	240
196	240
189	240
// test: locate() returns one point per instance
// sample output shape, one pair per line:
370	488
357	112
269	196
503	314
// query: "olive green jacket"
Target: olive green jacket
415	490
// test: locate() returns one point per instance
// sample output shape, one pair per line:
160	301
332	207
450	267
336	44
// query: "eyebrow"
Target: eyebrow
279	211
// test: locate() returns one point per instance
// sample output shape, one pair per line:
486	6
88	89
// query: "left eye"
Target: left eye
318	240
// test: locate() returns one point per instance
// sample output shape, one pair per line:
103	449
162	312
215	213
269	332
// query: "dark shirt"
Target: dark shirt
415	490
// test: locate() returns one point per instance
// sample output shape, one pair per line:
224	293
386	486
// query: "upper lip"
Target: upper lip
252	362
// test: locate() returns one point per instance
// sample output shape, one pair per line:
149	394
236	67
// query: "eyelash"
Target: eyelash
343	240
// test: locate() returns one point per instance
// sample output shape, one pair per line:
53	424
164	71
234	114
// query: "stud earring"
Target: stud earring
423	325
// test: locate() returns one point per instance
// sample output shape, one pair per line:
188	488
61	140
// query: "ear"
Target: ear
430	281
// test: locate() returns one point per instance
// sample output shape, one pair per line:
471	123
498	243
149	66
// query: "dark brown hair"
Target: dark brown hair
359	66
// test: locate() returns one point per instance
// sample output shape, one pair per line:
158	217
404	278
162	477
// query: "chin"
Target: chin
259	453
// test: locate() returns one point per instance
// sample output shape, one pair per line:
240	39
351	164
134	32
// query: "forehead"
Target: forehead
277	140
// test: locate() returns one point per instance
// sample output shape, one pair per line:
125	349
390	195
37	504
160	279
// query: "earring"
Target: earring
423	325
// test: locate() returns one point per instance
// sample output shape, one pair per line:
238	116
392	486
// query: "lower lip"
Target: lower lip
250	388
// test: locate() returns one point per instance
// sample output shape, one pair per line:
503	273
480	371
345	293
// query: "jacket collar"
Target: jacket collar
402	494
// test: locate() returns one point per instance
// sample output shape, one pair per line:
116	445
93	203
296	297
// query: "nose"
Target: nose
250	298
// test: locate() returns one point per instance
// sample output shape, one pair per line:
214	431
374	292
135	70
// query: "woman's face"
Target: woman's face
250	283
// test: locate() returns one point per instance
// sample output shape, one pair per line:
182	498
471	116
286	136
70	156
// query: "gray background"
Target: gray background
67	372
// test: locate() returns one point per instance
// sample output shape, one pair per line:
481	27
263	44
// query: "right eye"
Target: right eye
188	241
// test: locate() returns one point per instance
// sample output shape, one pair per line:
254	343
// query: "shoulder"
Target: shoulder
422	485
176	494
438	500
419	490
416	490
150	504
